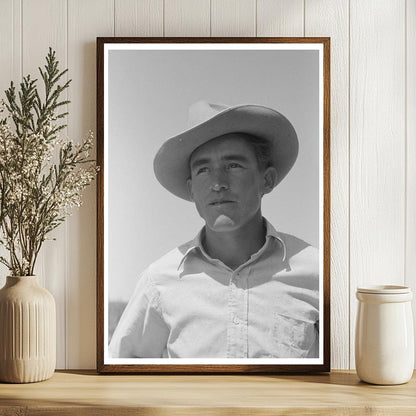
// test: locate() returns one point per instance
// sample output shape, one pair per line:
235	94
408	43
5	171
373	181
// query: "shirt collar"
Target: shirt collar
196	243
272	233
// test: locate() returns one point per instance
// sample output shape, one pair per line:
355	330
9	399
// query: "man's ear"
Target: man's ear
189	185
270	179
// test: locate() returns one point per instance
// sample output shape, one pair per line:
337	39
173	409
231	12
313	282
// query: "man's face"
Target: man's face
227	183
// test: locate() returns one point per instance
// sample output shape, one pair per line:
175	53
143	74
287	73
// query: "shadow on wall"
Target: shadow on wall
115	309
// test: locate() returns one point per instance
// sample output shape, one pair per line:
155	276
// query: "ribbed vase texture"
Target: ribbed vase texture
27	331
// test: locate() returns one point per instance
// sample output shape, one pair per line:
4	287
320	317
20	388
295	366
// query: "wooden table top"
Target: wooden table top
85	393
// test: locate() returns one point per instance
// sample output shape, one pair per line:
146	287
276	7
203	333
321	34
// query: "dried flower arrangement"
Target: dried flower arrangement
37	193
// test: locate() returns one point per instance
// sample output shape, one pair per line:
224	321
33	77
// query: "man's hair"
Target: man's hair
262	150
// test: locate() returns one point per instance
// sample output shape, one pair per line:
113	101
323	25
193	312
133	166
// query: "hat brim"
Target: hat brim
171	163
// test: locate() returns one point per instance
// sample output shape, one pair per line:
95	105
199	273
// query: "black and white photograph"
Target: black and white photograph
213	242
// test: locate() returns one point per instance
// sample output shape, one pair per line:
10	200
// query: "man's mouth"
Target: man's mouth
222	202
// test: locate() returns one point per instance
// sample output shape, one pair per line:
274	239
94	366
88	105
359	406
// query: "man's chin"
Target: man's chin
223	223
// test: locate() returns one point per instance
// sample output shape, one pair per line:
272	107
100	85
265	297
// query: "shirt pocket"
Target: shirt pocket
292	337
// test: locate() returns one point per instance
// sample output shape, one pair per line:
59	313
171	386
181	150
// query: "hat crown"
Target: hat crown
202	111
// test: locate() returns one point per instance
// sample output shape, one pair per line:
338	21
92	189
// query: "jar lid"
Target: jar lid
384	289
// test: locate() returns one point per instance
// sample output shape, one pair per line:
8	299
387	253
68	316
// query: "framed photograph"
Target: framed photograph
213	205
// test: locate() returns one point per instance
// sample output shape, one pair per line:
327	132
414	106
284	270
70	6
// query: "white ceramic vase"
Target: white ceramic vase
27	331
384	340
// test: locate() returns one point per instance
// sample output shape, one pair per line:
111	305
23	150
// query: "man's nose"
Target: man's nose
219	182
217	187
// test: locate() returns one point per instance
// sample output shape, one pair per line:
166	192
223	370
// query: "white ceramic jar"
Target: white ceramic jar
384	337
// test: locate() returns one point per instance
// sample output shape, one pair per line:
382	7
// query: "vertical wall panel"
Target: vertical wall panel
6	45
411	151
10	66
330	18
187	18
10	42
138	17
86	21
280	18
233	18
377	152
44	25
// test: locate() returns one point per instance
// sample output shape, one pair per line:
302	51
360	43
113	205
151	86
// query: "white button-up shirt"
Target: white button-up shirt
188	305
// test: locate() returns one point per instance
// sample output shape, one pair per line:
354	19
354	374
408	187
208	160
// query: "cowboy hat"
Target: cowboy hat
208	121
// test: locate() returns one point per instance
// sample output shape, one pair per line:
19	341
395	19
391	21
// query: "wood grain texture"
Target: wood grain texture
100	203
411	151
138	18
339	393
187	18
233	18
86	19
377	147
37	38
330	18
280	18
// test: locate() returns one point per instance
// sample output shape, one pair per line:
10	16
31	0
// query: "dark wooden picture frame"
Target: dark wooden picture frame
103	363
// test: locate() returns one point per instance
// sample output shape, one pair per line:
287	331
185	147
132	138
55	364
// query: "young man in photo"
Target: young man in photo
239	289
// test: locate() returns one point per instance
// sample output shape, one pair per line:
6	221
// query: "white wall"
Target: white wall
373	132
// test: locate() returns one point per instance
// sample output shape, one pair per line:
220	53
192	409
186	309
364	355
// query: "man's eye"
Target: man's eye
202	170
234	165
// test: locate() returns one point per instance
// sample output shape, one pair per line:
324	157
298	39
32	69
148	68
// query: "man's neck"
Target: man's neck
236	247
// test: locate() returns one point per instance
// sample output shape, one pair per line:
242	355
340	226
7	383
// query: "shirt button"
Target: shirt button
236	320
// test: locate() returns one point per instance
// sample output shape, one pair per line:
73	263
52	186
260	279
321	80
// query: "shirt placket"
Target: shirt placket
237	327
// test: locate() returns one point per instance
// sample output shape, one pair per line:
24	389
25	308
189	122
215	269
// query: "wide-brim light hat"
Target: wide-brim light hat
208	121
